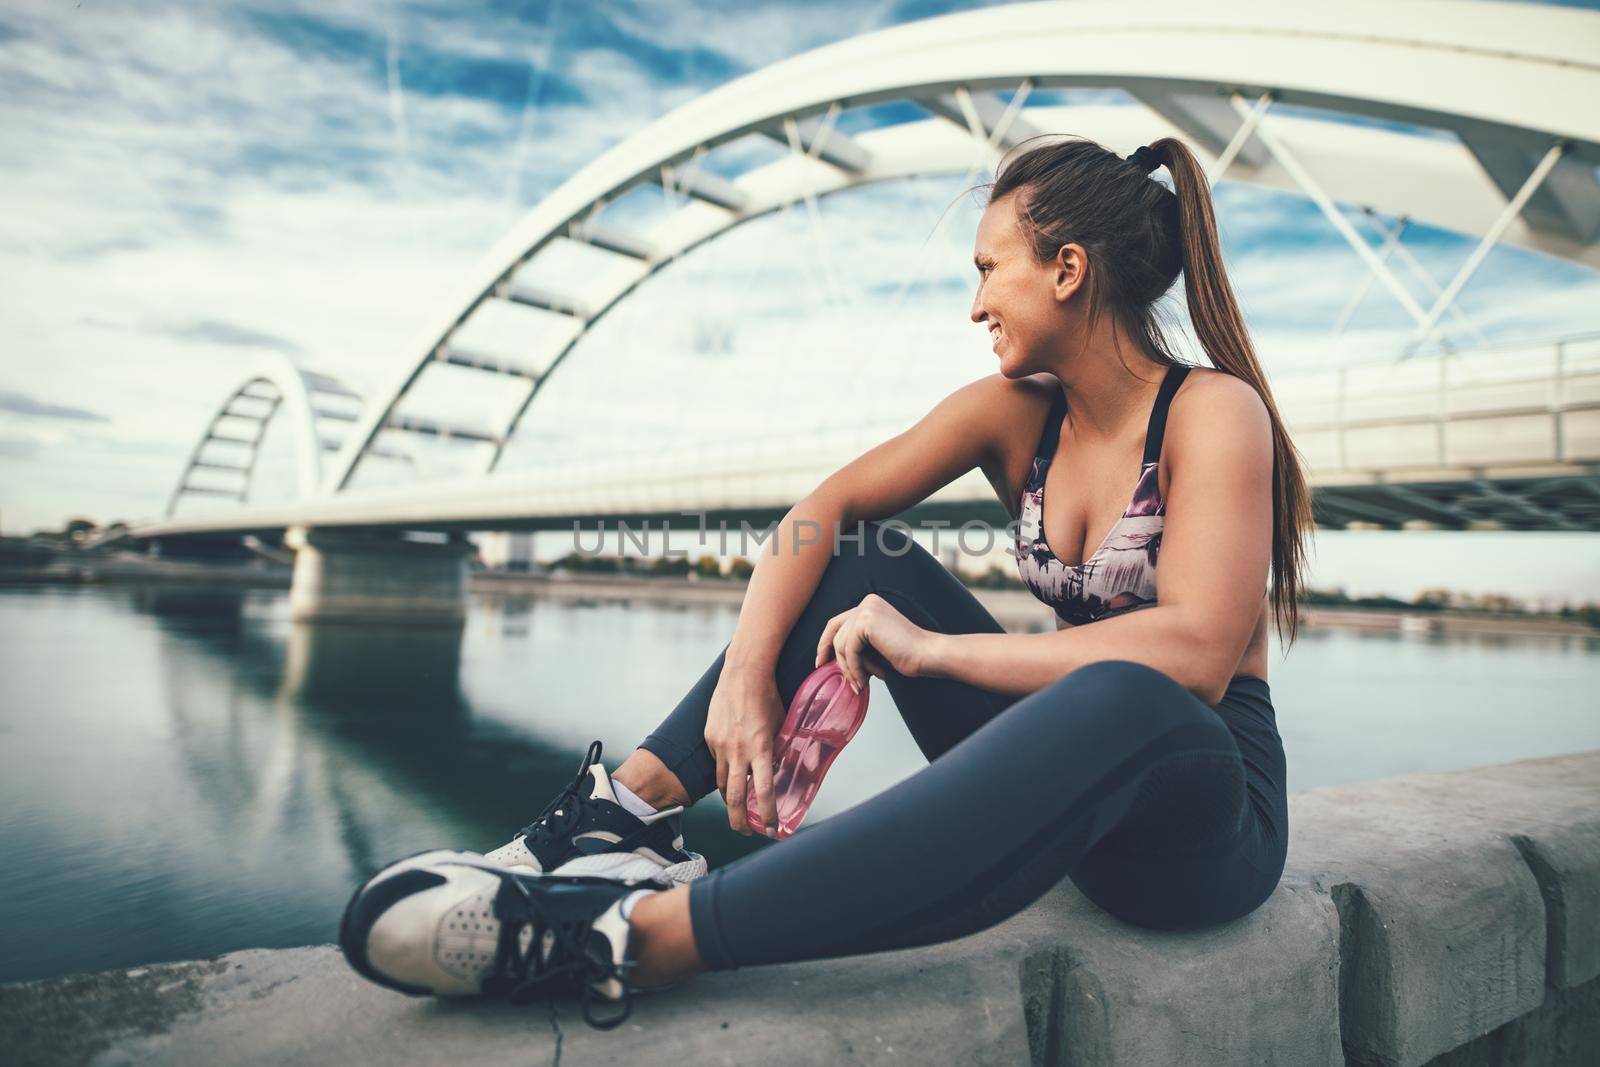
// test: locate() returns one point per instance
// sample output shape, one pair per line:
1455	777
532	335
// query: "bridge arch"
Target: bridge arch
1506	94
275	384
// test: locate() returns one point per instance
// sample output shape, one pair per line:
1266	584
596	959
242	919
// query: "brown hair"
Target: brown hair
1139	235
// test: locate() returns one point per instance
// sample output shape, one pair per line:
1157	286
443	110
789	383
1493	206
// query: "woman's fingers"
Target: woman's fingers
722	774
761	771
847	647
738	771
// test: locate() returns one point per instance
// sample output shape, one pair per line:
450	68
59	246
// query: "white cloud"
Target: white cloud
755	35
138	207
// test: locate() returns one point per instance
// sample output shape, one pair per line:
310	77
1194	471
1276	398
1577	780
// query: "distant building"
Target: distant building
502	551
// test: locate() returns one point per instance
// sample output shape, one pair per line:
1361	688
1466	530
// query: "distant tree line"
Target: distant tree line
1449	600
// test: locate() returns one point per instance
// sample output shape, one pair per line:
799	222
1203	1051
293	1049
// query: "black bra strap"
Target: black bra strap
1158	414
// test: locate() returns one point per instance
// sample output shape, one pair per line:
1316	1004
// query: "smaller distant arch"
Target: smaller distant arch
229	448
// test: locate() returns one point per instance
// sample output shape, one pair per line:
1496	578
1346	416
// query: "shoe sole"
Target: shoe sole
631	867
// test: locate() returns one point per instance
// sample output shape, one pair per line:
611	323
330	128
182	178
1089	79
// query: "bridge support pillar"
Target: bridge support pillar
377	576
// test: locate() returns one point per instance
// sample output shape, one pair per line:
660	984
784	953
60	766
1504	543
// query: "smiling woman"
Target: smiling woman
1109	250
1138	756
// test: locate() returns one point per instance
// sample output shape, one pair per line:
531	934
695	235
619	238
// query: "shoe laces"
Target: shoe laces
521	975
565	813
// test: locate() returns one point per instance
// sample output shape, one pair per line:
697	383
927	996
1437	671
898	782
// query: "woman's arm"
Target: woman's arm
745	712
1216	550
960	433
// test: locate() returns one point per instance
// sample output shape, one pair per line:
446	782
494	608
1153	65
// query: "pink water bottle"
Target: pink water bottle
824	715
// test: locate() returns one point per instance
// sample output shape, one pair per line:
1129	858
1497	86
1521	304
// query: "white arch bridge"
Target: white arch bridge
1493	437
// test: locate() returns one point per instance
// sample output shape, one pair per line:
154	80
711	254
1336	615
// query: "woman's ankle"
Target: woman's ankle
663	940
651	780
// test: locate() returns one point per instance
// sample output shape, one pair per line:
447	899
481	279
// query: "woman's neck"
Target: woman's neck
1110	387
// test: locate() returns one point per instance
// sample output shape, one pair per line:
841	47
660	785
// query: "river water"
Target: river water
186	773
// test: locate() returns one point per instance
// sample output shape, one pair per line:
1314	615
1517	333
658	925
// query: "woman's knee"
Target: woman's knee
876	544
1179	914
871	555
1117	676
1134	695
1118	683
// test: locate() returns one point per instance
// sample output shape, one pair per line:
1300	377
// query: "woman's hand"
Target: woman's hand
741	725
873	636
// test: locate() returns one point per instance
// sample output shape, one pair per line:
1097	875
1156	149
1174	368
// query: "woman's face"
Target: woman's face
1023	302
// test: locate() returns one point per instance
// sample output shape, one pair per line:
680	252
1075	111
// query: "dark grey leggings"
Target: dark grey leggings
1165	812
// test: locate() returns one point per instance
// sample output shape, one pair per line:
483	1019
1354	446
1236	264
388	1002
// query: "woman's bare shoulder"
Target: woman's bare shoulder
1218	392
1209	400
1015	410
1002	405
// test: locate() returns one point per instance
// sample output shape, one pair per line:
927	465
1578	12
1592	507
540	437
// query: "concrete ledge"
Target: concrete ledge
1262	989
1564	1030
1566	862
1442	927
1440	918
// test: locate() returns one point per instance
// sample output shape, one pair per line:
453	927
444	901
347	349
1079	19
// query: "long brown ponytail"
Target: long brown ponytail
1141	236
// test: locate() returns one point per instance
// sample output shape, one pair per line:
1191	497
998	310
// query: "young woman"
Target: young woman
1134	750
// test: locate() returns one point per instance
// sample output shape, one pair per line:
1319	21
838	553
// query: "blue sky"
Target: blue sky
188	187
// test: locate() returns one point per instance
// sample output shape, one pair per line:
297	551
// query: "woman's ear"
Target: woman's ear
1068	271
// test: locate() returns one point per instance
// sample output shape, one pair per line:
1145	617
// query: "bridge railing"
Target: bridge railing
1507	407
1514	415
1502	407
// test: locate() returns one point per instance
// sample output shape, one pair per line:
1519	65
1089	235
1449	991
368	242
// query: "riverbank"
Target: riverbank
1442	919
1015	609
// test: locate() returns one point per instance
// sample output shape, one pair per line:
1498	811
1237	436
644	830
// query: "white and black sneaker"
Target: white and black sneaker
449	924
586	830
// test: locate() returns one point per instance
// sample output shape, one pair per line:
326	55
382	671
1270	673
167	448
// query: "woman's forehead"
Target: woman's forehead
998	226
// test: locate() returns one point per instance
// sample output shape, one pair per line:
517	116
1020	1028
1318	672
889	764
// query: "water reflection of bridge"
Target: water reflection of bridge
352	737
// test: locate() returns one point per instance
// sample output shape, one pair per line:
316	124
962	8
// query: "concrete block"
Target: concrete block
1550	809
1564	1031
1259	990
1566	862
1442	923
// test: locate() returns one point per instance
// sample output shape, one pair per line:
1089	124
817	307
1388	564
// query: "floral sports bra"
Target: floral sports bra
1121	574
